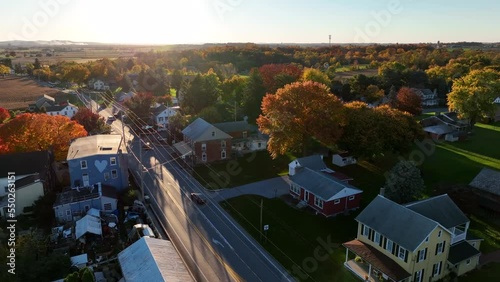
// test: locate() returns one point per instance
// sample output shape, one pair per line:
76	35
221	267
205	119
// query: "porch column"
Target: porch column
346	254
369	271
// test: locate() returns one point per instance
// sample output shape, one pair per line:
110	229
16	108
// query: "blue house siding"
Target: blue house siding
77	208
108	169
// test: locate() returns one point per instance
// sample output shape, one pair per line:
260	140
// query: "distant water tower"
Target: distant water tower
330	40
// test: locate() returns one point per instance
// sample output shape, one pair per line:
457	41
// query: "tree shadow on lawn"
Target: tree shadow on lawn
294	235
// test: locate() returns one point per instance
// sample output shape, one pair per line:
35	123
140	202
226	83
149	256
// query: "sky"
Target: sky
258	21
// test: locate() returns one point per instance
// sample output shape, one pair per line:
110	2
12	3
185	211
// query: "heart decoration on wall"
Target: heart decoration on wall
101	165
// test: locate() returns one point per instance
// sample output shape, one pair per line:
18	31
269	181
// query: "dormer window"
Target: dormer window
213	133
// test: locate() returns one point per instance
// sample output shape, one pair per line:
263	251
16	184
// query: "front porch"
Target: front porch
371	264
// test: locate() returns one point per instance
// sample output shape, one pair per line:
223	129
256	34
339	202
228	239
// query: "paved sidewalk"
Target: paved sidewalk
270	188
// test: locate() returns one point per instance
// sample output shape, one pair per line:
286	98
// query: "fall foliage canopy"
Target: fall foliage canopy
4	115
296	113
36	132
275	76
409	101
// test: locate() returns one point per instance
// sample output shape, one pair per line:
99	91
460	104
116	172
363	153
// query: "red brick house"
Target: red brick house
204	143
315	185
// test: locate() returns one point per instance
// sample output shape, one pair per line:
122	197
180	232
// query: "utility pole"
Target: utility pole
260	226
141	167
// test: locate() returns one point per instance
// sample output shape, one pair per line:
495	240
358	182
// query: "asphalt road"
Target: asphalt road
213	246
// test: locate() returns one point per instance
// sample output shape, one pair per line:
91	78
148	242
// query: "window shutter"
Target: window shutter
425	254
444	244
422	276
385	243
381	243
406	255
395	249
437	245
362	229
370	237
440	267
433	269
418	256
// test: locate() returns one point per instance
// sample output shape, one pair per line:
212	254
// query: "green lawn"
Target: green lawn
294	235
250	168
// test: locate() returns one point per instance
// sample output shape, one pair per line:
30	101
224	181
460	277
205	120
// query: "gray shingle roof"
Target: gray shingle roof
461	251
399	224
314	162
234	126
158	110
487	180
200	130
321	184
96	145
441	209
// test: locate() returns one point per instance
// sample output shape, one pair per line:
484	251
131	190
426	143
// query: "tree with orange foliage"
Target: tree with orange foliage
276	76
4	115
409	101
298	112
36	132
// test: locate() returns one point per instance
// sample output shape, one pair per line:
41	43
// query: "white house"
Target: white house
68	110
497	112
429	97
100	85
343	159
161	115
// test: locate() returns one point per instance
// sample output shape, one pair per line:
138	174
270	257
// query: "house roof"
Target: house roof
25	163
88	224
314	162
234	126
425	91
158	110
183	148
322	184
461	251
25	181
58	108
441	209
378	260
200	130
487	180
95	145
44	99
84	193
497	100
151	259
343	154
383	215
439	129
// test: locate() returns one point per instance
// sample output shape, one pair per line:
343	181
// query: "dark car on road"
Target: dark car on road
198	198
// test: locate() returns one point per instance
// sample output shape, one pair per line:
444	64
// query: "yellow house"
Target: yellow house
420	241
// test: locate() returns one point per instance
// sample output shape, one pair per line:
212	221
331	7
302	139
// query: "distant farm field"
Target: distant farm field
19	92
350	74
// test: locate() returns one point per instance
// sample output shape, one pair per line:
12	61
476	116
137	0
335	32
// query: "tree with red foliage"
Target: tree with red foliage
276	76
93	123
4	115
37	132
409	101
298	112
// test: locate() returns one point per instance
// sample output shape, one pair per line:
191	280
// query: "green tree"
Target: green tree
76	73
316	75
202	92
92	122
253	93
404	183
472	96
298	112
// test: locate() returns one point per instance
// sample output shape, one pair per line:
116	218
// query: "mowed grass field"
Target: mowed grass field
19	92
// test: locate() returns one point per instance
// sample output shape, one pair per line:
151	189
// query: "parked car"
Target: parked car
146	130
111	118
198	198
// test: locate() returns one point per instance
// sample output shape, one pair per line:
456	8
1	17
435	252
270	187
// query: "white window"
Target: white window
160	119
467	261
401	253
388	246
107	206
68	212
318	202
427	239
83	164
306	196
351	198
366	231
112	161
203	147
418	276
106	176
204	157
439	233
474	244
295	189
376	238
223	154
439	248
436	269
258	145
223	144
114	173
244	134
336	202
421	255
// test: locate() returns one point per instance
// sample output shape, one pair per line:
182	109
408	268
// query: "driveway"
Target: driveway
270	188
